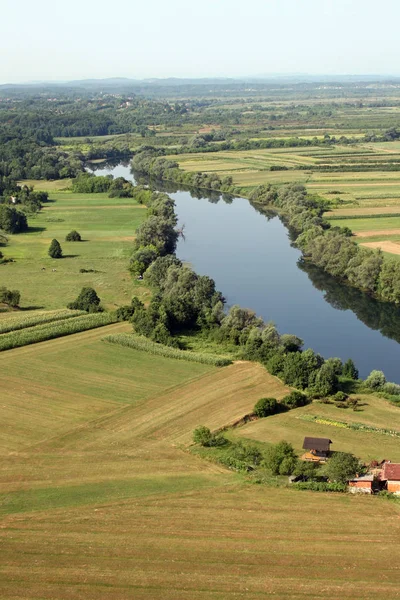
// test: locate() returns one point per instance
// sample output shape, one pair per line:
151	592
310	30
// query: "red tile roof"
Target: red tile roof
391	471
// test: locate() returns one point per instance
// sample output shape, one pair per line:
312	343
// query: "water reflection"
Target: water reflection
381	316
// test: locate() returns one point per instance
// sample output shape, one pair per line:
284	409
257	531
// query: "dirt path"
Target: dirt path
392	247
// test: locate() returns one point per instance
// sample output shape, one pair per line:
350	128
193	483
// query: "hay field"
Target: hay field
99	498
107	226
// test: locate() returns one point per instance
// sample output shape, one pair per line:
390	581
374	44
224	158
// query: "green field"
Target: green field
100	499
107	226
368	446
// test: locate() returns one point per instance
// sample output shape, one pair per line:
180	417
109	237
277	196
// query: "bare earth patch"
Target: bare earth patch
375	210
376	232
385	246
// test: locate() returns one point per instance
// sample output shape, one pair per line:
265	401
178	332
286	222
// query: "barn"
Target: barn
317	449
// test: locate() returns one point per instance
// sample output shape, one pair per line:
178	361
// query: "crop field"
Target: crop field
107	226
100	499
110	479
293	426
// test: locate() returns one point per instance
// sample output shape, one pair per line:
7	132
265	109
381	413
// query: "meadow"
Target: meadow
294	425
100	498
107	226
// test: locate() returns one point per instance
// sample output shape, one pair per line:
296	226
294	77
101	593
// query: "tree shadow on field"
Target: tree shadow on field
36	229
33	307
70	255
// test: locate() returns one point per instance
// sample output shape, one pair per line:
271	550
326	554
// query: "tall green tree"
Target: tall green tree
55	250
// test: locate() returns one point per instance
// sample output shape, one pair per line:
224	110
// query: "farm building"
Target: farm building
391	474
361	485
317	449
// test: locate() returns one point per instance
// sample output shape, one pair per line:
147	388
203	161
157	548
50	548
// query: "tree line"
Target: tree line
330	247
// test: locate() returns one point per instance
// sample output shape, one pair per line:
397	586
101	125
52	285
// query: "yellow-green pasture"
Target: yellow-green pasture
100	498
107	226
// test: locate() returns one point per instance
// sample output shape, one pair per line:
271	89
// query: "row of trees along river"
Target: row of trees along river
251	259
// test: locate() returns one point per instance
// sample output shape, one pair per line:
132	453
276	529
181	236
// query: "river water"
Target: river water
250	257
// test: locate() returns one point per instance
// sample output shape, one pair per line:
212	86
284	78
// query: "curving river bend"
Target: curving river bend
253	264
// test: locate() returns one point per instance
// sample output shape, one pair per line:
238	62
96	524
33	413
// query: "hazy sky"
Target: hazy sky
51	40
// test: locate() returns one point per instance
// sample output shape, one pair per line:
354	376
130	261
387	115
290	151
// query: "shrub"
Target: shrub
55	250
125	313
10	297
73	236
204	437
375	380
340	397
87	300
281	459
391	388
265	407
321	486
295	399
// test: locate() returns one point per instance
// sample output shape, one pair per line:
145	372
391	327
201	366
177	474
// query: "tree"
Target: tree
375	380
342	466
10	297
87	300
142	258
281	459
12	220
55	250
295	399
158	232
73	236
349	370
265	407
202	435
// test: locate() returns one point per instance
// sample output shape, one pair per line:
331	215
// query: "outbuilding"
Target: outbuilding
391	474
317	449
361	485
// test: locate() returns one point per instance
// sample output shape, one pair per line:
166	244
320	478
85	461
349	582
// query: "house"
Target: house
361	485
391	474
317	449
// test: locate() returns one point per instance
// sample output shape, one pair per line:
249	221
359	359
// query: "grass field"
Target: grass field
107	226
290	426
99	498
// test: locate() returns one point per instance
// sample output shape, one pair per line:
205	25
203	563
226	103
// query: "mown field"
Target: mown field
99	497
107	226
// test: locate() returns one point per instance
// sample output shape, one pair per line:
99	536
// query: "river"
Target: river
254	265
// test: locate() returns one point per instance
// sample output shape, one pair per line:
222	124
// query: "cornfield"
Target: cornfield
48	331
141	343
21	322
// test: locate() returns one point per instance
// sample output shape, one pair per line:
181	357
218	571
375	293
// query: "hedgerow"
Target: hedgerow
321	486
40	333
14	324
141	343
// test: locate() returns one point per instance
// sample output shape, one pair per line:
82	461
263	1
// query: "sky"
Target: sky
46	40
